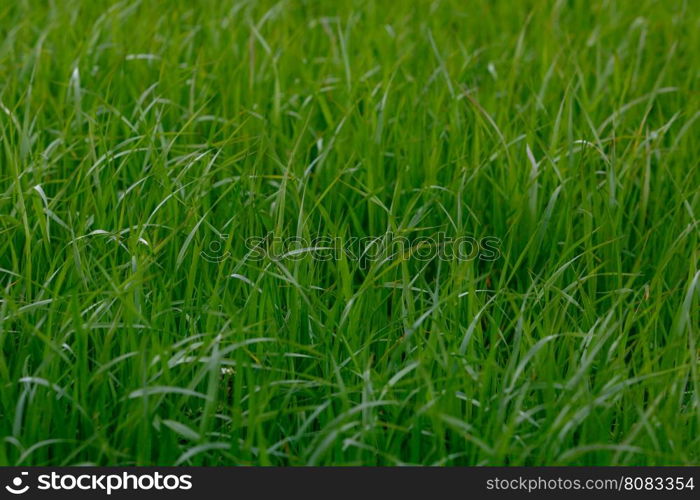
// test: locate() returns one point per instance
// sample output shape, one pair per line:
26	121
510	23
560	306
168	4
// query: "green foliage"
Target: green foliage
135	134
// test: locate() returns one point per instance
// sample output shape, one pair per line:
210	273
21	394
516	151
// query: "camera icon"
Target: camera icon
215	250
16	487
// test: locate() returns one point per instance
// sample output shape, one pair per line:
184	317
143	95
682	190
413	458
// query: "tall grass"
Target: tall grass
134	134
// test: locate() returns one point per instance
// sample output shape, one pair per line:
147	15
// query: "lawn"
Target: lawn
349	232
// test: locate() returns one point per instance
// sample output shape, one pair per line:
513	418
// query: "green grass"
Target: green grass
134	134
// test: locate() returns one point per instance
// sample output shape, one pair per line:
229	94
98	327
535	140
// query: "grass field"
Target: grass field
177	179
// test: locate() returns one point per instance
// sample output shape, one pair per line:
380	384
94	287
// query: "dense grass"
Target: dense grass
134	134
